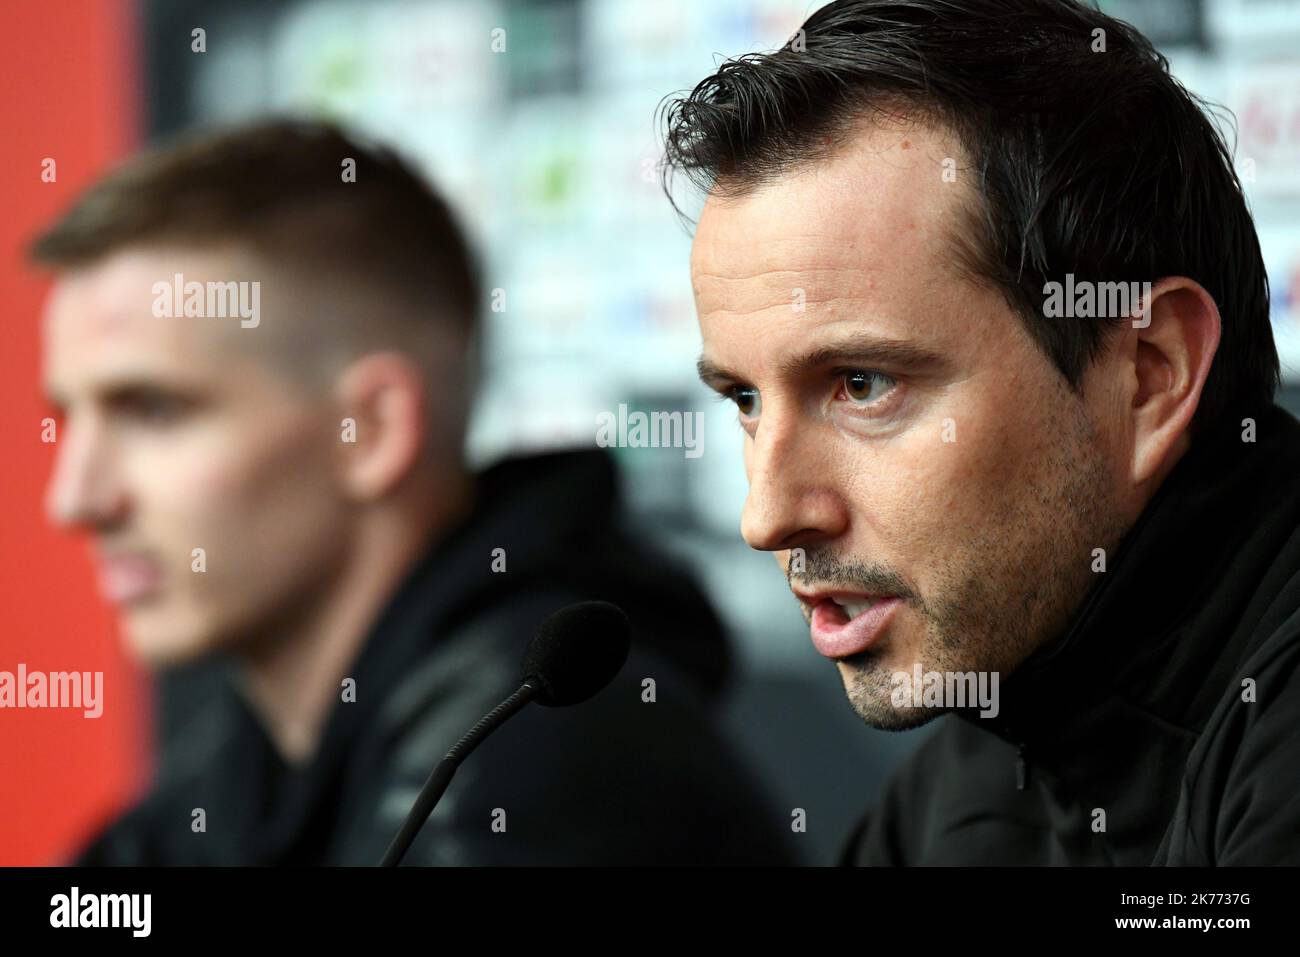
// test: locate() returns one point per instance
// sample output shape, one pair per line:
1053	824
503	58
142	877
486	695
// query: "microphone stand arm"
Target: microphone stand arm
441	777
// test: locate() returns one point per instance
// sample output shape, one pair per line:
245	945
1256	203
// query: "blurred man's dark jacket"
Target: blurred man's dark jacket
614	780
1128	740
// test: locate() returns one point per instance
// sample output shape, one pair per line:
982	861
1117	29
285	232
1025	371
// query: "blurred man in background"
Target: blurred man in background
964	477
262	346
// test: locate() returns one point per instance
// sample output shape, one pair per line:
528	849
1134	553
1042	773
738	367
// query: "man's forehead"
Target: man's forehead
118	292
89	316
880	206
76	364
100	326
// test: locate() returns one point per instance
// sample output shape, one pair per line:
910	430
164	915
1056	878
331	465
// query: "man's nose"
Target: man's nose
83	489
793	498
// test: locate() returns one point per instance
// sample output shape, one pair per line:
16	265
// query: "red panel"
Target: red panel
68	84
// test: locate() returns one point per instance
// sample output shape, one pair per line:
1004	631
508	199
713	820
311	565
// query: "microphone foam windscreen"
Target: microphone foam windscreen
577	651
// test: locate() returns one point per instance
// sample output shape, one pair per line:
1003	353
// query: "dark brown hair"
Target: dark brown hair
1094	163
278	188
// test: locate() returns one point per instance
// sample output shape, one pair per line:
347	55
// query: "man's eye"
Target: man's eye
864	387
152	409
746	400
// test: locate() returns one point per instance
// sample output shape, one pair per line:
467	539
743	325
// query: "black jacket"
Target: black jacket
1138	719
615	780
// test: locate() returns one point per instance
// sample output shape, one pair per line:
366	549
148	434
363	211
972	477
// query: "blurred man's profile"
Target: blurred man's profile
262	347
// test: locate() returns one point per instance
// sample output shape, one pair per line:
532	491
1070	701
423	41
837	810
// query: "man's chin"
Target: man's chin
159	641
883	716
869	688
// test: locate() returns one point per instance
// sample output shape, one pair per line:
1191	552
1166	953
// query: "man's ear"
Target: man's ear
383	394
1171	349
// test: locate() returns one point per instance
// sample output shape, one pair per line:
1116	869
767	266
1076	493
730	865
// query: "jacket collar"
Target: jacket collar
524	504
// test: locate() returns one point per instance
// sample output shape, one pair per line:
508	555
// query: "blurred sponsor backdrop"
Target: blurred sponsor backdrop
536	118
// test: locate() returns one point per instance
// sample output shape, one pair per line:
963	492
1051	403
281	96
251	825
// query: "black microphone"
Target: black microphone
577	651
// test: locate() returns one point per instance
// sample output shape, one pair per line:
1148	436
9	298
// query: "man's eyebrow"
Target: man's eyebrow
126	388
866	350
860	350
710	372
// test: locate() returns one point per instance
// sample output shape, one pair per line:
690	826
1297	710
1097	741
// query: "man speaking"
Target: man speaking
981	282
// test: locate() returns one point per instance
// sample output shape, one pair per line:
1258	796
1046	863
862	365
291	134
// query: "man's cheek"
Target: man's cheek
889	483
197	511
191	466
237	478
946	469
